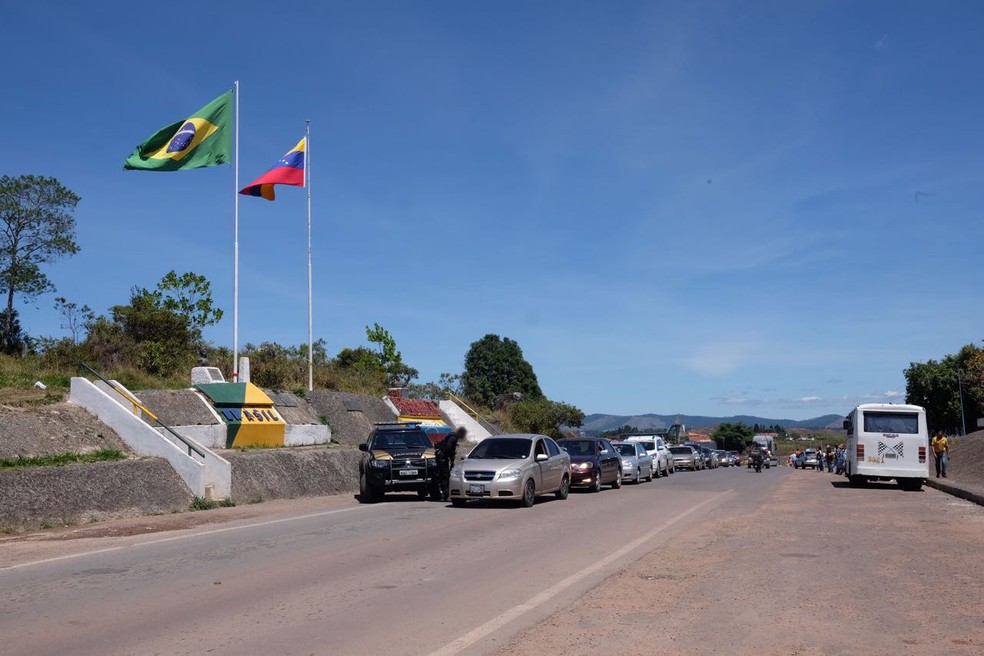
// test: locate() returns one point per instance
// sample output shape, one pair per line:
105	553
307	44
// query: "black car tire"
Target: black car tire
651	474
565	488
529	493
367	493
596	486
656	471
617	483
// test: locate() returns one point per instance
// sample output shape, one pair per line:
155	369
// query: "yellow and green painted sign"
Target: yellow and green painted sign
249	415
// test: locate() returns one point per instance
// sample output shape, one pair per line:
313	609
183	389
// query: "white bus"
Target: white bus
886	441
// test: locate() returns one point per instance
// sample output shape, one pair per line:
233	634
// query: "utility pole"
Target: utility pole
963	420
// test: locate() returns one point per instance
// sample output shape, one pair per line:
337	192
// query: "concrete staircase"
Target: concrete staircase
456	416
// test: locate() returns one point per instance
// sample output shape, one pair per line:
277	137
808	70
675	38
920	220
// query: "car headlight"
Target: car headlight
626	463
379	463
584	466
510	474
456	472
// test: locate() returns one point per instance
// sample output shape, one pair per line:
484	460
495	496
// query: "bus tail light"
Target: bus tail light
860	451
922	454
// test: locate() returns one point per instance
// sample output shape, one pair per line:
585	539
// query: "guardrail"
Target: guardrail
471	411
139	406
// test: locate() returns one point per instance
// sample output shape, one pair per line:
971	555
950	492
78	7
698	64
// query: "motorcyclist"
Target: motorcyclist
756	455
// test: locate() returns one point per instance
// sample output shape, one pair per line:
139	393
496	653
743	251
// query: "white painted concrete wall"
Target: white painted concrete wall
213	475
456	416
306	434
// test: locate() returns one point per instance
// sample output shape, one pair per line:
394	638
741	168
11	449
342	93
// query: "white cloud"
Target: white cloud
717	359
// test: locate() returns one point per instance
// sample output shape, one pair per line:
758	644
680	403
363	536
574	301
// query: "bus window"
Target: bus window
891	422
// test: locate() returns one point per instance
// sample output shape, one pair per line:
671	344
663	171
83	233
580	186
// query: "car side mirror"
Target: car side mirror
542	457
847	425
364	447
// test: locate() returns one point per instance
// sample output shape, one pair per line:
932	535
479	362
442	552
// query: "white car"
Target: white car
654	445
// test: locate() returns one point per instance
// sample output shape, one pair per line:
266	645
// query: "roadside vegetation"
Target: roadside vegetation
60	459
155	338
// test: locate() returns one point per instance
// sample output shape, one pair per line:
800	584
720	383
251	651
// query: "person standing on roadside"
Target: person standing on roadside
445	452
941	449
830	460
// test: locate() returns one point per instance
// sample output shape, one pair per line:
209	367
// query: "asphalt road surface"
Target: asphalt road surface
623	571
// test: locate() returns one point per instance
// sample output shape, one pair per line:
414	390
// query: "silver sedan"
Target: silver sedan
512	468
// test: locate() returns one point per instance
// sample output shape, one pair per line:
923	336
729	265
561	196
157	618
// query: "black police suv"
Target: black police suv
397	457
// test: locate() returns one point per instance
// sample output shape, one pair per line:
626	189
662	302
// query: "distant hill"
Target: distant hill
597	423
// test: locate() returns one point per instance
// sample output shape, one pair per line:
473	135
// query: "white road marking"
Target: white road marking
186	536
496	623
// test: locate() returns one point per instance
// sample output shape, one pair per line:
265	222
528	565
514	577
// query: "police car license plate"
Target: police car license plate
476	489
409	472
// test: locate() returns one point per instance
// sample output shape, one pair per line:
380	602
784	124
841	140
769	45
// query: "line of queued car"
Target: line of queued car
516	467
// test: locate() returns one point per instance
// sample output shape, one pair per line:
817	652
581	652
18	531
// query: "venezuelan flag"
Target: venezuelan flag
289	170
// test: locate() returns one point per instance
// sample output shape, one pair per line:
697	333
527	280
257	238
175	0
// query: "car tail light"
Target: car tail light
860	451
922	454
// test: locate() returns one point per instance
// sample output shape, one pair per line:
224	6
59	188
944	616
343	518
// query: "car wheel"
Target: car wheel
596	486
367	494
617	483
565	488
459	503
653	473
529	493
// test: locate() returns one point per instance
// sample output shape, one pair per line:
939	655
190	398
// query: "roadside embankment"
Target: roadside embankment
74	494
259	474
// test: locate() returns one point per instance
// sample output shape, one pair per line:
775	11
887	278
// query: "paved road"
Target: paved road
404	577
684	565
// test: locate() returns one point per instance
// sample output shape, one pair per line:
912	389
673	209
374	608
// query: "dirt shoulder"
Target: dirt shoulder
820	568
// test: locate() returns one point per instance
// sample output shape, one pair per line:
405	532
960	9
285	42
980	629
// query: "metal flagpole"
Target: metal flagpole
307	173
235	258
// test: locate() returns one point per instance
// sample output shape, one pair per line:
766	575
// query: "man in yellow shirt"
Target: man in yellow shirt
941	449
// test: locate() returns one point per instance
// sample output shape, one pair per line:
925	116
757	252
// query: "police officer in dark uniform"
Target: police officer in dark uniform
445	450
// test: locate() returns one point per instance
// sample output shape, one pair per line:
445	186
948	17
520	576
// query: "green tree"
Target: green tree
11	335
189	295
36	228
398	373
495	365
934	386
543	416
163	338
733	437
75	319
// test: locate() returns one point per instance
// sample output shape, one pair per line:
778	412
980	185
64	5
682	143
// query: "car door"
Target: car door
556	466
608	458
541	470
645	459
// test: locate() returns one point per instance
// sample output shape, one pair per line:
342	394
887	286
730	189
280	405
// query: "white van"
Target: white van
886	441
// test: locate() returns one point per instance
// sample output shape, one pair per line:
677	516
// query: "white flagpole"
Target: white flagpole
235	258
307	173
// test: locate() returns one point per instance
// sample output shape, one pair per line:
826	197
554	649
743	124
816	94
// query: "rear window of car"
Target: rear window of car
681	450
578	447
625	449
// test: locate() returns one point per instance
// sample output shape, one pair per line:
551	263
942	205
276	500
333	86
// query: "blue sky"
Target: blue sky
673	207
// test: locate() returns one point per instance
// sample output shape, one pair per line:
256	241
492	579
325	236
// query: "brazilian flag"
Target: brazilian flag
203	139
